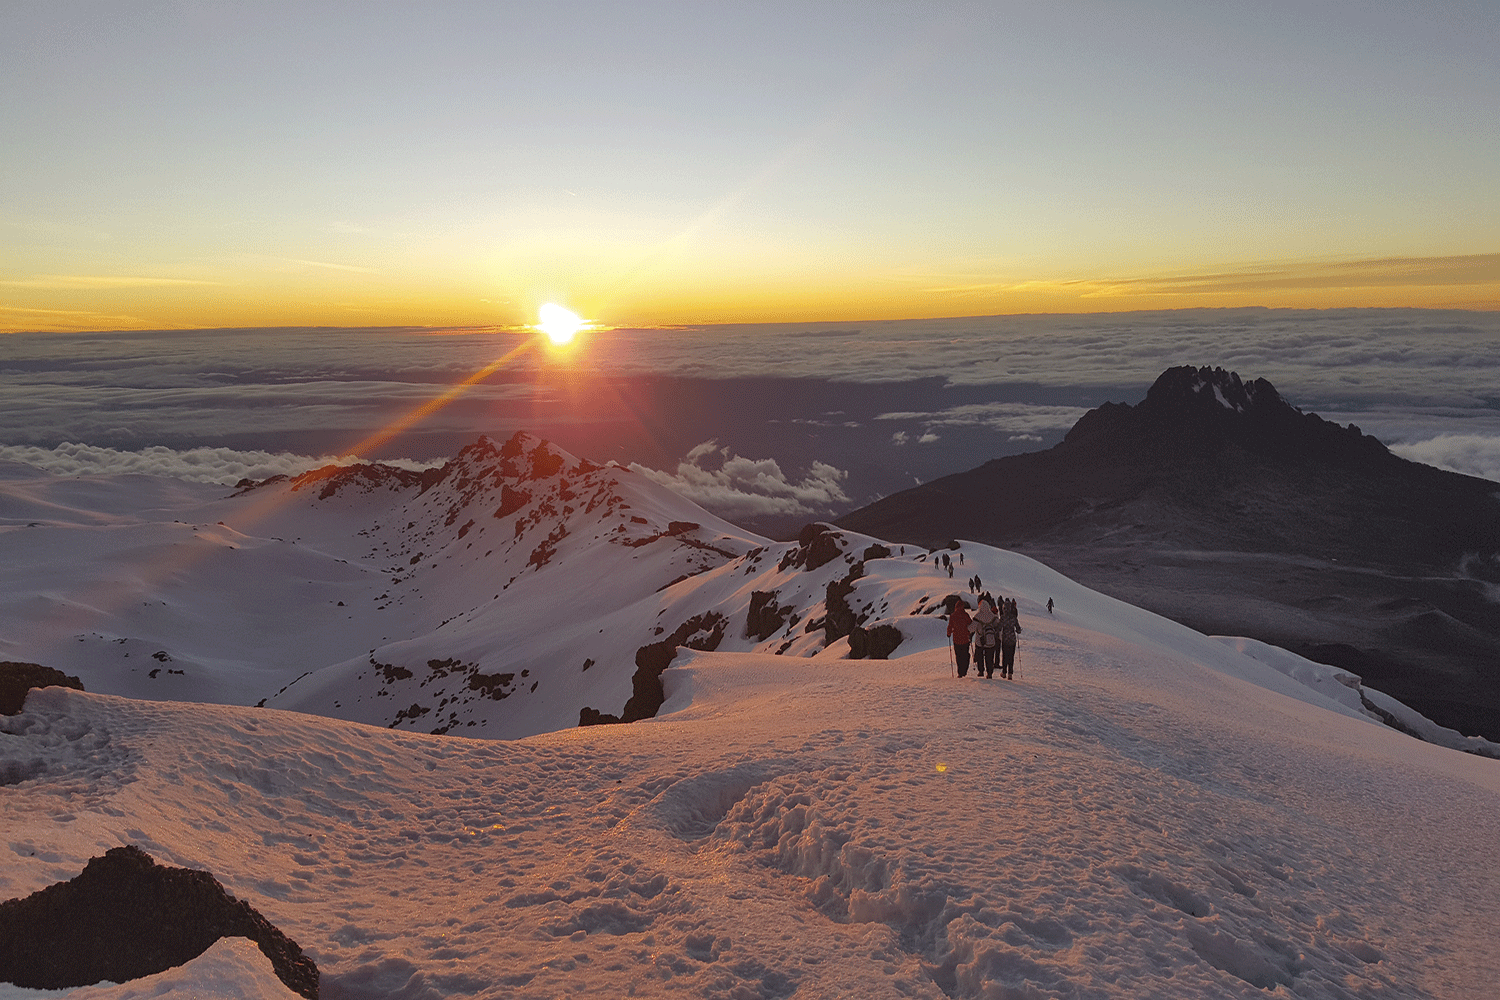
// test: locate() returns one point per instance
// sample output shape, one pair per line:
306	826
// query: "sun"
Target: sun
559	324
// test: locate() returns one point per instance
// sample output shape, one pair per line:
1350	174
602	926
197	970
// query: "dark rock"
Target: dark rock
492	686
125	917
18	678
840	619
873	644
391	672
765	617
593	717
511	500
545	462
362	477
817	545
651	660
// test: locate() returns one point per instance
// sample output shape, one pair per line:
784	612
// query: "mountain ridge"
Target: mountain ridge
516	590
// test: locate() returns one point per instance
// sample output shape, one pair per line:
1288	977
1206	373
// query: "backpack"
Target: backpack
989	634
1008	633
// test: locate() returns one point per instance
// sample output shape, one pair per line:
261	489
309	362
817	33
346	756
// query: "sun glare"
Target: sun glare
559	324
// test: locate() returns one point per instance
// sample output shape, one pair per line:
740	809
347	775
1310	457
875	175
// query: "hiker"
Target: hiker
986	639
1010	627
958	627
1049	605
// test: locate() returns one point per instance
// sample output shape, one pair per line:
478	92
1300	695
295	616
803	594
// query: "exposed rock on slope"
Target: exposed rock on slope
125	917
1217	503
18	678
519	562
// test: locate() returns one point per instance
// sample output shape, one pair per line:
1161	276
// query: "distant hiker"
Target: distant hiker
1010	627
1049	605
960	558
986	639
958	627
947	564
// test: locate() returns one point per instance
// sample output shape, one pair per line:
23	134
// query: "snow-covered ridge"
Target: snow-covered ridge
515	590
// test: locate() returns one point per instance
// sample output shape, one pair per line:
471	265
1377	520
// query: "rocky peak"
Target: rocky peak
1199	390
1196	413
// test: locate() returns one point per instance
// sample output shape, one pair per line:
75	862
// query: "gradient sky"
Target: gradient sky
202	164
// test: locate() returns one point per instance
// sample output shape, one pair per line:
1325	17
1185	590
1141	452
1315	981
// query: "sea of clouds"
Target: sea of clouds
226	466
218	406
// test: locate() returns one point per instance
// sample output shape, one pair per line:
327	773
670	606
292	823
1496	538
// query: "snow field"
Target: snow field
1135	825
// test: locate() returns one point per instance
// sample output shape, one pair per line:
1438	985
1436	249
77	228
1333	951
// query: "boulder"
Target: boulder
125	917
18	678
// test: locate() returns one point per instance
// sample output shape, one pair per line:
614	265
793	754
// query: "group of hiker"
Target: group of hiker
992	628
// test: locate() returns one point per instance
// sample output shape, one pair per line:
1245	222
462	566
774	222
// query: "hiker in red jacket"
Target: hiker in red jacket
958	628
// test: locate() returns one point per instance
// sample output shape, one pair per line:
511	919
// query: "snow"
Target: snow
1144	812
231	969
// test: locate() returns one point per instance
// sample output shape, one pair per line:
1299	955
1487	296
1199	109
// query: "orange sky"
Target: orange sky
268	165
80	303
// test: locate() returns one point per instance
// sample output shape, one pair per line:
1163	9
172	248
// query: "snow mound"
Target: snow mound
232	968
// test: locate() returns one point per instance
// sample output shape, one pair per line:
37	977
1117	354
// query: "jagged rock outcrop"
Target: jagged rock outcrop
18	678
703	631
877	643
125	917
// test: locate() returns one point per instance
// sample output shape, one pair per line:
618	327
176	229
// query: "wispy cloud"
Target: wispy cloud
1378	272
84	282
16	319
328	265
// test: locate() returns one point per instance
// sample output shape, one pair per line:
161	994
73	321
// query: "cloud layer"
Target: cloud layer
719	480
1471	454
197	465
887	401
1018	421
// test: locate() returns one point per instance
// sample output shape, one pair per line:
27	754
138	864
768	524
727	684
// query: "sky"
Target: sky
194	164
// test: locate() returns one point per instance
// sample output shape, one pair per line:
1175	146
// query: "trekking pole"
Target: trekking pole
952	666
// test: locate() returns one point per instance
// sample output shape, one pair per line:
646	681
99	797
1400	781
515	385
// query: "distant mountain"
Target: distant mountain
1217	503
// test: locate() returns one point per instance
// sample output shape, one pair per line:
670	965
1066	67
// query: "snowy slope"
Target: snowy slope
1124	822
193	595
